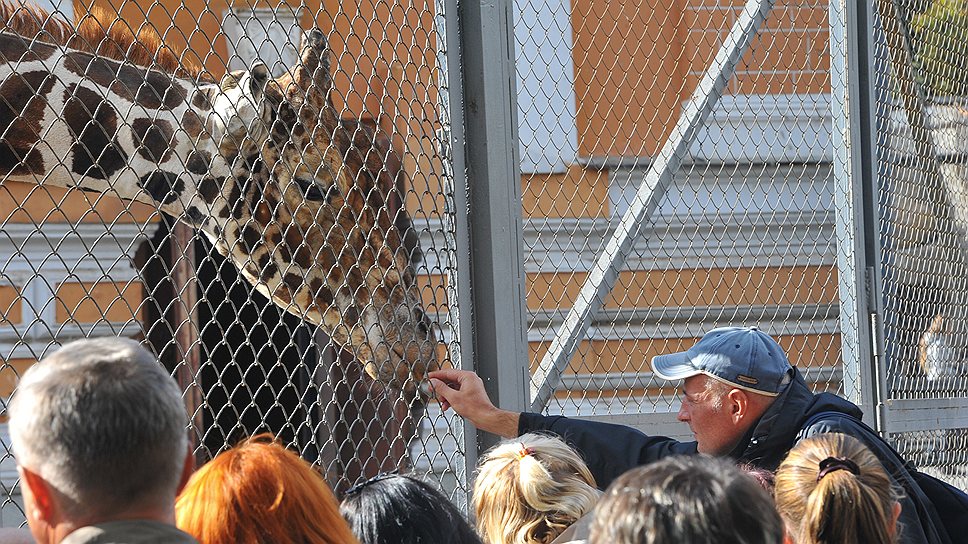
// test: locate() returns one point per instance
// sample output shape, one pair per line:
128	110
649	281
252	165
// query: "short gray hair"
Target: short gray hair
103	422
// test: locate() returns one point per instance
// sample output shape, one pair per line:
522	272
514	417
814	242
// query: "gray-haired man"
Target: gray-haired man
98	429
741	398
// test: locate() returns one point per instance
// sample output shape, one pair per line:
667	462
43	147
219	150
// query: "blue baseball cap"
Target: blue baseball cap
742	356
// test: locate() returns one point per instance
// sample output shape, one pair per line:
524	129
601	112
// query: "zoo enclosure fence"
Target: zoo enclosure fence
593	183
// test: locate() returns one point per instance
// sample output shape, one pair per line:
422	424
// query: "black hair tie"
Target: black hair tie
833	464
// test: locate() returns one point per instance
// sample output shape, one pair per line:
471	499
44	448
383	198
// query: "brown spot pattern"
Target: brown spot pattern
94	125
268	268
192	124
198	162
164	187
201	101
262	214
150	89
210	188
155	139
251	239
16	49
21	108
293	282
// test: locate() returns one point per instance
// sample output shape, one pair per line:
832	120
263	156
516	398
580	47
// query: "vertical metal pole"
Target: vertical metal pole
490	140
855	196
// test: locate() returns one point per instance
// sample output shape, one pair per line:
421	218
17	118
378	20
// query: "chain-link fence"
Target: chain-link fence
312	294
919	129
676	167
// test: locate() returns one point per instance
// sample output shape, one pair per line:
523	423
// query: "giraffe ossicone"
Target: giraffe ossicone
300	200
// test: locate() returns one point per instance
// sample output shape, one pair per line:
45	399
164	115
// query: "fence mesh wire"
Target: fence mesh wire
86	263
921	122
744	233
920	90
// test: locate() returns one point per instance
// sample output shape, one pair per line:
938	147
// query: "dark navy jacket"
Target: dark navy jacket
796	413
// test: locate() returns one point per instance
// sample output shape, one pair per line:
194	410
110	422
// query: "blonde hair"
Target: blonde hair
854	502
530	489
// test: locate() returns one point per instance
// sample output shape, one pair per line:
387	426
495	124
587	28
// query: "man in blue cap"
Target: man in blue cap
741	399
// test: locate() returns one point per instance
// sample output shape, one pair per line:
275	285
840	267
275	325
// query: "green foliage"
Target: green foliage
940	40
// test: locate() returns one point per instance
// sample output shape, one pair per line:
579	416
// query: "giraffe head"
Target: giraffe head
300	201
311	215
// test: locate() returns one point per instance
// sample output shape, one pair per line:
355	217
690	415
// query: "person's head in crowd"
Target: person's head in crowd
766	478
530	489
695	499
397	509
99	431
259	492
732	375
831	488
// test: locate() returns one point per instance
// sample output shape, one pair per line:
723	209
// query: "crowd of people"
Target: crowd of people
98	431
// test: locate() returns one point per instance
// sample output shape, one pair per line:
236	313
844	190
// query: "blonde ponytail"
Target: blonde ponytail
831	488
531	489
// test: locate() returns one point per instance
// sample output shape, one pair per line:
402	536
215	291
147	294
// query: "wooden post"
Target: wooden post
185	323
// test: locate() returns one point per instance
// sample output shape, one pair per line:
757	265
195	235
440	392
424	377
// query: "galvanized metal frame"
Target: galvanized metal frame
851	60
489	172
856	97
602	275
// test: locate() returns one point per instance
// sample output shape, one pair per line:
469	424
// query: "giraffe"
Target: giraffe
298	199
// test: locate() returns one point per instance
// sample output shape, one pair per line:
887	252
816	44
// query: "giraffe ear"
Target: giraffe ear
312	75
258	77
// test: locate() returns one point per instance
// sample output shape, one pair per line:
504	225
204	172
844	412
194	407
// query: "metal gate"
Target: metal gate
667	169
902	101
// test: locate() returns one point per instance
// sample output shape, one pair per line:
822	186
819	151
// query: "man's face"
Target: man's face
709	418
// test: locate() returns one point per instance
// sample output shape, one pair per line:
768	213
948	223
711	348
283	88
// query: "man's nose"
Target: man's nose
683	414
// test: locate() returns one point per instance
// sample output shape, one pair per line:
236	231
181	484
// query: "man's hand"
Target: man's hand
464	391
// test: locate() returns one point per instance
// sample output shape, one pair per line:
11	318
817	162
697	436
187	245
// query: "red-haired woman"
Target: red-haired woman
260	493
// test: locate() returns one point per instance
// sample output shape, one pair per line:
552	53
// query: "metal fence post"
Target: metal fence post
855	193
490	142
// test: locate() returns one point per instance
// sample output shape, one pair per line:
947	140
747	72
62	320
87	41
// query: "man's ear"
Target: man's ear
739	404
43	495
897	516
187	470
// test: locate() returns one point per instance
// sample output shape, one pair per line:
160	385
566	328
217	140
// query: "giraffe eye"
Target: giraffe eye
315	192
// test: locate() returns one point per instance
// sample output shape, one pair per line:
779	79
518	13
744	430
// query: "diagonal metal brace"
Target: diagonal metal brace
601	278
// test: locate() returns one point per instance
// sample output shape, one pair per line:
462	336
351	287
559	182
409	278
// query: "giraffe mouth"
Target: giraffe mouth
415	391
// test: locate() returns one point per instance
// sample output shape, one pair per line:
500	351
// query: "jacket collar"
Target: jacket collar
768	442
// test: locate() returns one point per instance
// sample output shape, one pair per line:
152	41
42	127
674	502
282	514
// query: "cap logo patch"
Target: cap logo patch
747	379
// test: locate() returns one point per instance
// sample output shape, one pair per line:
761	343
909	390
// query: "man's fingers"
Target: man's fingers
441	390
451	375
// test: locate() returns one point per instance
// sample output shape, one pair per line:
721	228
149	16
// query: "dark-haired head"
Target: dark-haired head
694	499
396	509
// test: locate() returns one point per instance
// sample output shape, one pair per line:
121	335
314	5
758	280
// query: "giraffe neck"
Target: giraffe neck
303	215
73	119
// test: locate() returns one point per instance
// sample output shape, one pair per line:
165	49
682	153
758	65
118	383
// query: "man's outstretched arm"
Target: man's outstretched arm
464	391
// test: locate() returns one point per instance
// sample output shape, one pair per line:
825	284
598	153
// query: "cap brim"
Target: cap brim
674	366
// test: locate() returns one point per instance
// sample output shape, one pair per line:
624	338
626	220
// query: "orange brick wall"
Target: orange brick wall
693	287
599	356
635	64
98	302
